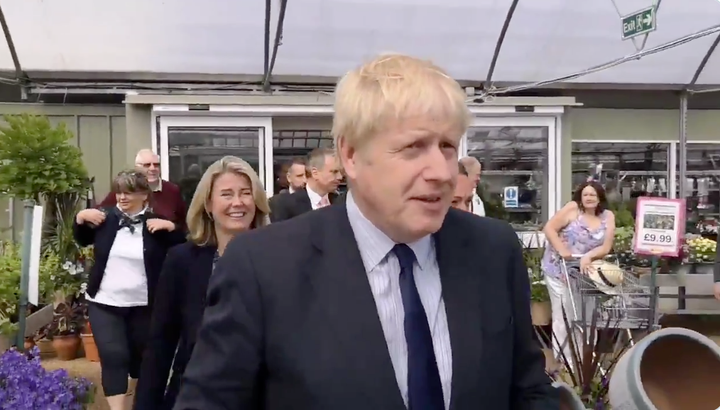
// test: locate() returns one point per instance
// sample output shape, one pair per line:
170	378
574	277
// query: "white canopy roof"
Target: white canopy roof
546	38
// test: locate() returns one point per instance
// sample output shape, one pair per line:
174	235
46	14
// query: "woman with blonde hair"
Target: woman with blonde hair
229	199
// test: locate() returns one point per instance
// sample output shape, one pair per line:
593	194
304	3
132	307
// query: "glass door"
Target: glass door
188	145
518	155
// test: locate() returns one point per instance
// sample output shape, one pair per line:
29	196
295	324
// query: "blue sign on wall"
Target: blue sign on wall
510	197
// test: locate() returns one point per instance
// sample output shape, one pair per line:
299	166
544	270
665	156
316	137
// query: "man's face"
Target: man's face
150	164
296	176
329	177
463	193
405	177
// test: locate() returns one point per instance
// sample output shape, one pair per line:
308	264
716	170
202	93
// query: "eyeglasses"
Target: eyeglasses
149	164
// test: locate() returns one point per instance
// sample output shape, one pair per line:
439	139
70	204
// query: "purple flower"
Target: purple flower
25	384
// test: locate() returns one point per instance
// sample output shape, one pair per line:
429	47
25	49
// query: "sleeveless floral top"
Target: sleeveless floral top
579	238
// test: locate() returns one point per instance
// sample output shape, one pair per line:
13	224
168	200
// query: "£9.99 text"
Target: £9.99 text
651	237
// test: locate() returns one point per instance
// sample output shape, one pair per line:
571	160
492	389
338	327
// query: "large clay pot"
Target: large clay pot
91	351
541	313
66	347
670	369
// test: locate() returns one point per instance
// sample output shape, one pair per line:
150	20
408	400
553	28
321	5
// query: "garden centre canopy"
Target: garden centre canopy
324	38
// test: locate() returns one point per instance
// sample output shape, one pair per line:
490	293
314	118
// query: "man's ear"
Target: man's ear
346	153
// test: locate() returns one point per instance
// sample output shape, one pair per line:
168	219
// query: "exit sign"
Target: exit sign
640	22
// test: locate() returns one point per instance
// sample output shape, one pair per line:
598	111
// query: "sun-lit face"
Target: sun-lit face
405	177
149	163
231	203
131	202
463	193
589	198
329	177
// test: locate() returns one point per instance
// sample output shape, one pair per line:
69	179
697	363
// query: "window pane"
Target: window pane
702	187
512	156
193	149
626	170
289	144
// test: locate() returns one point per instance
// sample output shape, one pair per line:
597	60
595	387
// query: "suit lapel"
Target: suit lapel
339	279
461	280
303	202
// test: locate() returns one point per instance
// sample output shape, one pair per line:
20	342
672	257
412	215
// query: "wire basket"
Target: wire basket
624	306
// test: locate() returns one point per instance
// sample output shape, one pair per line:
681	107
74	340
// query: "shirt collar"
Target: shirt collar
159	186
374	245
134	215
315	198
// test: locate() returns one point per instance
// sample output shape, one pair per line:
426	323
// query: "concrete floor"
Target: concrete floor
84	368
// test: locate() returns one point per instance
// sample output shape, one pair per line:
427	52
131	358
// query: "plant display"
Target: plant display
533	261
590	365
37	159
68	319
25	384
697	249
10	266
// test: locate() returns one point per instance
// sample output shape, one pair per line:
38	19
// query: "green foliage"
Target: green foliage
9	286
37	159
532	257
623	217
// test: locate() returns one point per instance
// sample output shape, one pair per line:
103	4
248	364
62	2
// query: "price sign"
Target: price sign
659	226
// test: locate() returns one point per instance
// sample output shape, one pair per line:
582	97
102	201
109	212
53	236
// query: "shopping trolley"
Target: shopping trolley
627	309
627	306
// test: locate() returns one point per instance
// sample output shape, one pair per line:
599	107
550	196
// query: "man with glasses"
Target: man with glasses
166	200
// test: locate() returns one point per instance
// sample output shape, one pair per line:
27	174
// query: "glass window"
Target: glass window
192	149
289	144
513	157
702	187
626	170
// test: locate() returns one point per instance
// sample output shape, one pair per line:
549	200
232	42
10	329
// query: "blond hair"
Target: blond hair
200	224
392	88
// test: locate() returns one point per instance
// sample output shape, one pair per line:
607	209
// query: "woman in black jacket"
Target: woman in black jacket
229	199
130	245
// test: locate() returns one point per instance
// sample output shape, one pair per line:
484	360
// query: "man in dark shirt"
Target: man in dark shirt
166	199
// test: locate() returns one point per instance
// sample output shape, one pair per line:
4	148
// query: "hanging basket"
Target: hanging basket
541	313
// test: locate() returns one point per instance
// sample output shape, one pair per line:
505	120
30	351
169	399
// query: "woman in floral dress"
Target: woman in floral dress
583	227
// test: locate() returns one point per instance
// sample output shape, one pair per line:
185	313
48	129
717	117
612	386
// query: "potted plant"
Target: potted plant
25	384
65	329
699	253
88	340
10	263
540	308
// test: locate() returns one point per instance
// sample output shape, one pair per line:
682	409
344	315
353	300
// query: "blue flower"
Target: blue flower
25	384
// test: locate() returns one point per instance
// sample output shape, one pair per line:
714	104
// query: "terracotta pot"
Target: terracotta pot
66	347
29	343
47	350
541	313
91	351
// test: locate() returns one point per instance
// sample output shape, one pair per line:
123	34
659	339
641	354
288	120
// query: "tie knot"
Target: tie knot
405	256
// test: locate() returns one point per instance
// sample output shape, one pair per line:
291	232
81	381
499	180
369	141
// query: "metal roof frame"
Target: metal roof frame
264	84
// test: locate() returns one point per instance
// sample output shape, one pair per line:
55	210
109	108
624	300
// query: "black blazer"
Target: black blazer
288	206
176	318
103	236
302	332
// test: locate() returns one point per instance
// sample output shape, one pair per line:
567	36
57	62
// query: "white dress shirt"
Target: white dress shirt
315	198
478	207
383	271
124	283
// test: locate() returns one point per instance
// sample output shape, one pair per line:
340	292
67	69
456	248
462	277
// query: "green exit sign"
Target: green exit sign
640	22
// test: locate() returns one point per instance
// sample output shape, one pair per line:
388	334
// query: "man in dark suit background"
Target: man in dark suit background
292	179
388	301
323	176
